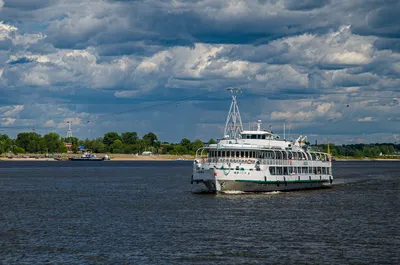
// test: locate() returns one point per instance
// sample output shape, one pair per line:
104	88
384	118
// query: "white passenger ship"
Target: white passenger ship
258	161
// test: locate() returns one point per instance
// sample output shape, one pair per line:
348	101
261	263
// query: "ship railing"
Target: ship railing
278	162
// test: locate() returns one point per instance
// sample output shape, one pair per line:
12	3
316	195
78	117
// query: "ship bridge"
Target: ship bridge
259	135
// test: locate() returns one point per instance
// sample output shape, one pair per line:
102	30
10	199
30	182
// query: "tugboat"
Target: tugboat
87	156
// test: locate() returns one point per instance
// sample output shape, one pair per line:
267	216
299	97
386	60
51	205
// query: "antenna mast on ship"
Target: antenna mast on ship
233	126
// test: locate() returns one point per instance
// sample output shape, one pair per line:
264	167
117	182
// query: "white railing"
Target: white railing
277	162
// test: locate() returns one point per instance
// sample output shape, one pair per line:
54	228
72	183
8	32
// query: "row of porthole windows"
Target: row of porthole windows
299	170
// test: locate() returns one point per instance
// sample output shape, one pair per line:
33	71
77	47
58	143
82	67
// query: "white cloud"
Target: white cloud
7	121
366	119
11	111
49	123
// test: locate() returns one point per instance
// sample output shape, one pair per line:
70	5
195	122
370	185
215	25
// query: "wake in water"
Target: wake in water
244	192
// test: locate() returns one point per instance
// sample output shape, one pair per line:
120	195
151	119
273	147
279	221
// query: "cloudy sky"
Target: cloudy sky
327	69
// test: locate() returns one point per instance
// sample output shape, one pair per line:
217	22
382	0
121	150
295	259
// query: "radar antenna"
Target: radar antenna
69	133
233	126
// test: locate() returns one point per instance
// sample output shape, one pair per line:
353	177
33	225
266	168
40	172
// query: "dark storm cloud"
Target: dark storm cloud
305	4
21	61
29	4
388	44
377	18
164	24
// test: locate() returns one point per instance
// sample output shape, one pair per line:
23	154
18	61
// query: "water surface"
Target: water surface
138	212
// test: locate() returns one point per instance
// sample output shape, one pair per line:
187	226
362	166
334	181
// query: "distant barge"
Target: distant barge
87	156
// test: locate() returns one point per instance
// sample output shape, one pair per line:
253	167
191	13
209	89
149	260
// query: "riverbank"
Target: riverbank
367	159
134	157
113	157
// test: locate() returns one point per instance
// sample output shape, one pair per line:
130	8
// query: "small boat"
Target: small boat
60	158
87	156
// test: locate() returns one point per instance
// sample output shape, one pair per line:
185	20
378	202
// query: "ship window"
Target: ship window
242	154
272	170
304	170
285	171
223	153
324	170
253	136
279	170
237	154
219	153
263	136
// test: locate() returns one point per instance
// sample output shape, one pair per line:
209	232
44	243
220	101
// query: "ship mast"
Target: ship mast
233	126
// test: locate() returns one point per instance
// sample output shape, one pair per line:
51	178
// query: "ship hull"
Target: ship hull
217	180
227	186
86	159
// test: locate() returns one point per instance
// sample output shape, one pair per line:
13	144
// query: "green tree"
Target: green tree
117	147
129	138
18	150
130	148
72	140
179	150
110	137
30	141
97	146
194	146
185	142
5	143
149	139
211	141
52	143
74	148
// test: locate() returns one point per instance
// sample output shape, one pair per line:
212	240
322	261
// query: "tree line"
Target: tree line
360	150
111	142
131	143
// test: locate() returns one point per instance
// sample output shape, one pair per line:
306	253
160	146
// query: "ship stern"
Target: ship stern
204	181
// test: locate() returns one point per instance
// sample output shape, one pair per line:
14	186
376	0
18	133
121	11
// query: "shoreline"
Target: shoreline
113	157
366	159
